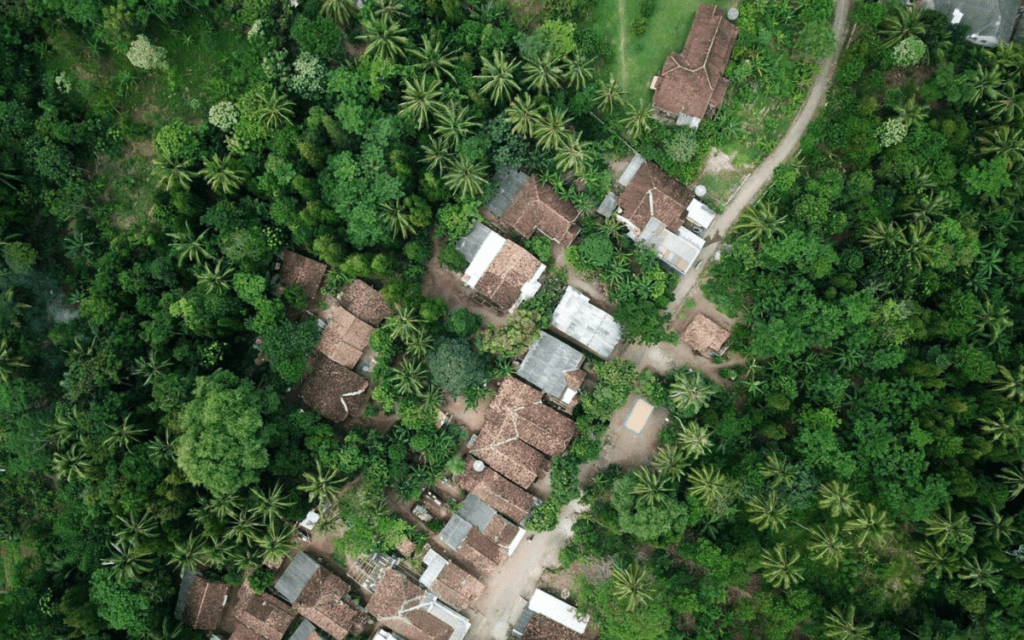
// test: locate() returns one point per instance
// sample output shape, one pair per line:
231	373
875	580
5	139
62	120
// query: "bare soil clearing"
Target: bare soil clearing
443	283
623	447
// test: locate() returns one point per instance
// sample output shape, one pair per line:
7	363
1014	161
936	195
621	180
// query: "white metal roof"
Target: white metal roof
484	257
561	612
435	564
678	250
577	318
310	520
699	213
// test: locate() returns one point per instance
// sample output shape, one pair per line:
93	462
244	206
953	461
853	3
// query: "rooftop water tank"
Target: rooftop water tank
479	466
700	191
733	14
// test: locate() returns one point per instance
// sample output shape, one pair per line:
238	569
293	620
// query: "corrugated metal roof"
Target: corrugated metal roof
561	612
699	213
435	564
470	245
631	169
294	579
455	531
510	182
607	207
186	585
547	362
303	631
577	318
524	619
677	250
476	512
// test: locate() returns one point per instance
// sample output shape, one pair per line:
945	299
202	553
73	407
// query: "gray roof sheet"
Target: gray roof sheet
577	318
294	579
547	362
631	169
607	206
470	245
510	182
186	584
476	512
455	531
303	630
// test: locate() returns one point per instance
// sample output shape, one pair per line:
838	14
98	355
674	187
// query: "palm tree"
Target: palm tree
777	470
217	279
222	174
992	322
980	574
435	154
455	125
272	503
650	487
72	464
1007	105
842	626
434	57
128	563
543	74
690	392
551	129
766	512
390	9
761	222
869	524
274	110
171	174
466	177
421	100
984	82
950	529
330	520
913	113
523	114
169	629
901	23
225	506
342	12
403	324
187	245
385	38
1003	141
244	526
1012	383
135	527
321	486
410	377
574	156
397	218
9	360
828	545
671	461
999	427
499	76
122	435
637	121
419	345
577	72
609	96
1013	476
278	541
837	498
999	528
779	567
694	438
188	555
631	585
709	486
883	235
934	558
161	448
149	368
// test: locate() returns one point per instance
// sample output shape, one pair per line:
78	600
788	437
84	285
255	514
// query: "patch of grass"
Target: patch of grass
666	32
11	553
720	187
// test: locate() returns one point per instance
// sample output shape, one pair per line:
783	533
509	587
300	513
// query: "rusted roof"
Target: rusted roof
507	498
538	208
543	628
345	337
303	271
323	390
264	614
456	587
503	281
703	334
668	196
202	602
692	80
364	302
399	604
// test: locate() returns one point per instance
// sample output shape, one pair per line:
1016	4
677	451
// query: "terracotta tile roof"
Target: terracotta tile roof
507	498
483	553
670	198
501	531
544	429
364	302
321	602
243	632
575	379
303	271
538	208
503	281
544	628
322	391
407	548
703	334
456	587
692	80
264	614
345	337
203	602
511	457
395	604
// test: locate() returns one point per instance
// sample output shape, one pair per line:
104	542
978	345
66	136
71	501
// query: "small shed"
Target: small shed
704	335
699	213
638	415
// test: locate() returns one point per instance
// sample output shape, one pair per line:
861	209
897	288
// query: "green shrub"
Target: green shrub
463	323
261	579
454	366
540	246
647	8
177	142
450	257
639	26
294	297
318	36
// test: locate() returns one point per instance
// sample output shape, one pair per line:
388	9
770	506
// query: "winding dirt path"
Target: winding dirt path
755	183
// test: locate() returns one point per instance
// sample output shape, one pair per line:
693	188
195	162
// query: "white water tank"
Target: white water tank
732	14
700	191
479	466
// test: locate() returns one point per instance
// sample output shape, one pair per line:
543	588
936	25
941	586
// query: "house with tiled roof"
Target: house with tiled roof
692	82
322	598
333	391
260	616
704	334
364	302
344	337
307	631
502	495
296	269
453	585
554	367
410	611
481	538
200	601
500	272
548	618
524	205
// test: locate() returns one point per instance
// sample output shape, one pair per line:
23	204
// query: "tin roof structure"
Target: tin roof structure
588	325
678	250
548	365
408	610
296	577
629	172
525	205
699	213
510	182
306	631
451	584
652	193
607	206
561	612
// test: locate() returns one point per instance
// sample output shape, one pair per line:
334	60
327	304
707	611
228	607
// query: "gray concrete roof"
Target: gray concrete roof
547	362
455	531
476	512
470	245
593	328
511	181
607	206
303	631
294	579
631	169
187	579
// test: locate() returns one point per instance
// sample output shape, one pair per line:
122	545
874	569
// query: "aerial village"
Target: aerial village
431	591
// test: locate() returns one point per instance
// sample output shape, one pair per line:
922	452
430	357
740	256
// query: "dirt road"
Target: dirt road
762	176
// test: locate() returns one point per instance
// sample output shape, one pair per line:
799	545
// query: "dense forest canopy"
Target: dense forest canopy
862	477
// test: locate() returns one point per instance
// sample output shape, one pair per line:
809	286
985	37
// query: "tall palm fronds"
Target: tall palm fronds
999	528
948	528
609	96
222	174
777	470
385	39
1014	477
779	566
1012	383
274	110
435	58
421	100
523	114
342	12
828	545
671	461
837	497
869	524
694	438
761	222
766	512
543	74
173	174
843	626
650	487
499	76
186	245
631	585
937	559
321	486
901	23
637	121
466	177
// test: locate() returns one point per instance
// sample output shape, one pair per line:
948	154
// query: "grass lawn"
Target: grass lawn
640	59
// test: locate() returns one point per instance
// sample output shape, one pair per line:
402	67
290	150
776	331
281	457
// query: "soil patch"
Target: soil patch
564	582
618	166
719	162
440	282
623	447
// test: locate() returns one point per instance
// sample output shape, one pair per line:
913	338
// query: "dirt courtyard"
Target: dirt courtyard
440	282
623	447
